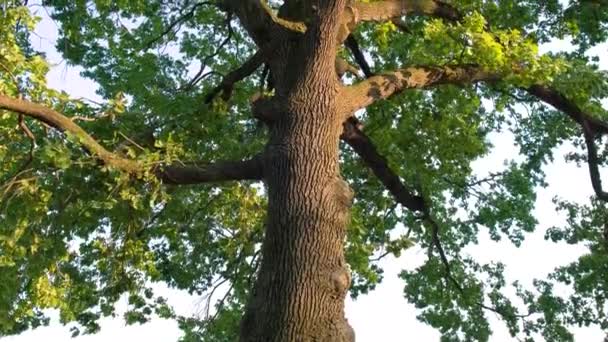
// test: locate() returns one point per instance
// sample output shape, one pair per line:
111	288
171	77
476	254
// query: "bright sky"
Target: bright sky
383	315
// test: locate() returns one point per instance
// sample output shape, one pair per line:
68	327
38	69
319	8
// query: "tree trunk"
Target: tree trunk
300	289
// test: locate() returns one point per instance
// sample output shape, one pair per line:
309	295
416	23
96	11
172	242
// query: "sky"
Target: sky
383	315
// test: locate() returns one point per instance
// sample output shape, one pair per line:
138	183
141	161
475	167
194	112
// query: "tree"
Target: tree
354	116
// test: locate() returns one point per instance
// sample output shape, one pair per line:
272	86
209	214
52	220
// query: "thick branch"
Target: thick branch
250	169
357	12
382	86
561	103
256	18
365	148
174	174
367	151
593	162
64	124
352	44
245	70
590	125
389	9
259	20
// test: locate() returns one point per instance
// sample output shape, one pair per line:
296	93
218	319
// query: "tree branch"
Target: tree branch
389	9
436	242
199	75
28	133
173	174
591	128
255	16
259	20
561	103
593	162
250	169
177	22
365	148
382	86
352	44
64	124
367	151
245	70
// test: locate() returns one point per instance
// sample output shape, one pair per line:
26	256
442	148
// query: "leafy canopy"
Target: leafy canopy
75	235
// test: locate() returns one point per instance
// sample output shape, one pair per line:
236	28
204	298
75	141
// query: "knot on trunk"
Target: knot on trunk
340	196
343	193
340	280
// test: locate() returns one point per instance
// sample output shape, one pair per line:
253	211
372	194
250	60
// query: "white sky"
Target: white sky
383	315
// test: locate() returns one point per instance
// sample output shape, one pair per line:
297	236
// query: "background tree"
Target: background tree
394	99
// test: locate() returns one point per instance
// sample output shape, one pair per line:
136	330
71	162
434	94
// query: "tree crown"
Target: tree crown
96	197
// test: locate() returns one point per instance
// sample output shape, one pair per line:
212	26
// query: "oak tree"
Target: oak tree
279	149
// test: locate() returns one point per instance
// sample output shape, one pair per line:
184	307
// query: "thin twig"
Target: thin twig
177	22
199	75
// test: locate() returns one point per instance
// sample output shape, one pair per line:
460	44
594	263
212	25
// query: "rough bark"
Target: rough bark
300	289
197	173
389	9
385	85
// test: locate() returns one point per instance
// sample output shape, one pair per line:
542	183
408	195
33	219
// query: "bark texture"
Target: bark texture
300	289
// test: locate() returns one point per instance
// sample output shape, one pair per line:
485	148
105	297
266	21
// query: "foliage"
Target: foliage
76	237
